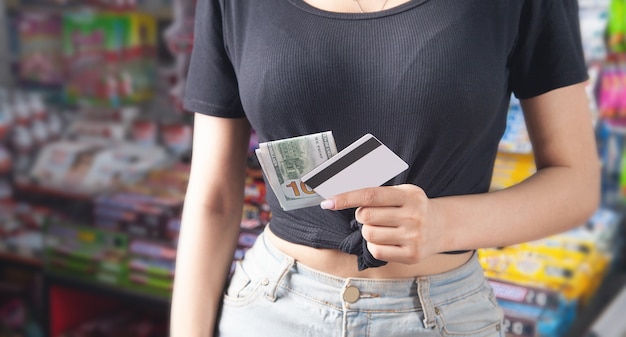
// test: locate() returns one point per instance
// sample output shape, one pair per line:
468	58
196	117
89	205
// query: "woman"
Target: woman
432	80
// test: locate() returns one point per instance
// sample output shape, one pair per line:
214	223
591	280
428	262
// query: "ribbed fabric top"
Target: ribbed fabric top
431	79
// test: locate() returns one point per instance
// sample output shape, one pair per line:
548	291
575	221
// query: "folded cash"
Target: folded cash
284	161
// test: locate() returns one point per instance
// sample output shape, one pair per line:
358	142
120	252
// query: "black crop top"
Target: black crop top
431	79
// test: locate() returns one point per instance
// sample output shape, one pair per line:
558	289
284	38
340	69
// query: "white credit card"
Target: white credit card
365	163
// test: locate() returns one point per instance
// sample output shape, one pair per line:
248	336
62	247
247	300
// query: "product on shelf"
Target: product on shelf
594	16
617	26
110	57
602	229
511	169
531	311
5	161
86	252
139	62
138	215
515	138
72	146
177	137
41	57
543	285
612	89
145	131
151	265
179	39
21	227
610	147
91	166
26	124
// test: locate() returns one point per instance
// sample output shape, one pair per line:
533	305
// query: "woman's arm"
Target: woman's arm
401	224
564	191
210	223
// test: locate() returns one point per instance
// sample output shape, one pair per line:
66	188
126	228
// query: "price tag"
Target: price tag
533	296
516	327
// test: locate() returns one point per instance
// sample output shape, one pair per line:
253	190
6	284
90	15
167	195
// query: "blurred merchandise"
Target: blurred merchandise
611	148
617	26
26	125
110	57
515	138
41	55
612	89
179	40
138	215
21	228
594	16
90	166
511	168
151	266
544	285
94	162
84	252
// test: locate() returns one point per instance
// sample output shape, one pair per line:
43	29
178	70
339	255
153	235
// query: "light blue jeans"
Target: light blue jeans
270	294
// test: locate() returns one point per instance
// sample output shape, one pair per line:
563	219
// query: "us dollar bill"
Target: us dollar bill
284	161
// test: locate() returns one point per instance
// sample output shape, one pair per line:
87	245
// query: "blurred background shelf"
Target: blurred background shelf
13	259
133	295
161	14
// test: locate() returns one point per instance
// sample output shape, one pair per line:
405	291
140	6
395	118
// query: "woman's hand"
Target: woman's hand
399	222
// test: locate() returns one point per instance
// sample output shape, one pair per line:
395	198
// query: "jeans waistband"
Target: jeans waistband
281	273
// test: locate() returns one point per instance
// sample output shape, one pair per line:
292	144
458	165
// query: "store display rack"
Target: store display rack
599	310
69	300
13	5
62	301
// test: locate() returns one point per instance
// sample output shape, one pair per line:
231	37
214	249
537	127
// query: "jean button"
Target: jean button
351	294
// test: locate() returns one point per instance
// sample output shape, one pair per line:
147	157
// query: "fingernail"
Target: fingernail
327	204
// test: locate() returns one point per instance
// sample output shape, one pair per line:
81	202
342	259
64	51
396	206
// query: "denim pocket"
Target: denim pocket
476	315
241	288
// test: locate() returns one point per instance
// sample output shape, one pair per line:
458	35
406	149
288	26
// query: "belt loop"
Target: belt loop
423	293
285	266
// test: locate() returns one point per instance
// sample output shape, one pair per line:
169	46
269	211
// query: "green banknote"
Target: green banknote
284	161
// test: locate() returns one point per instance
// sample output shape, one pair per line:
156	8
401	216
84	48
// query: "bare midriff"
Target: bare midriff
338	263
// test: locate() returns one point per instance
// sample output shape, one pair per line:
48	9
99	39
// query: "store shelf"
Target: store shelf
137	296
132	294
27	262
14	5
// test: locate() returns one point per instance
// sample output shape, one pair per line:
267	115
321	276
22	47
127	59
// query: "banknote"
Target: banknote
284	161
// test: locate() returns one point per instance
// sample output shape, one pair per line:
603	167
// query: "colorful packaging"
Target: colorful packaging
617	26
93	45
110	57
41	57
531	311
139	68
86	252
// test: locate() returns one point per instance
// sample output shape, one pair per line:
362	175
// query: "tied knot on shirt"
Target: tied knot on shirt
355	244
